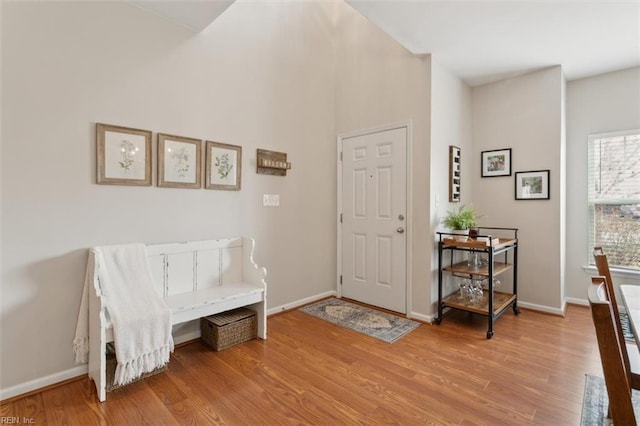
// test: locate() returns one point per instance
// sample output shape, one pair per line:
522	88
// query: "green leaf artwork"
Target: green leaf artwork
223	166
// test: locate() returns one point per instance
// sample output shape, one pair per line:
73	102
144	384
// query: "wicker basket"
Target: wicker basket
226	329
111	369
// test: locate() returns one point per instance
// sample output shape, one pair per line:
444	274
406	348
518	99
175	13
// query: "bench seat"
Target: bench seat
194	305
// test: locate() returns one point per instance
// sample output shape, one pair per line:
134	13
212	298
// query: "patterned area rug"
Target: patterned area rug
595	403
383	326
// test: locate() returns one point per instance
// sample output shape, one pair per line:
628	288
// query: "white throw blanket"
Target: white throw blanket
140	317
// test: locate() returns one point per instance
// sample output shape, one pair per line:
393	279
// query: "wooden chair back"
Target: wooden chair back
602	264
603	271
611	346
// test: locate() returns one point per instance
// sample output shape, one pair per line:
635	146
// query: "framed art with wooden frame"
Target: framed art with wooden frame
123	155
454	173
223	166
496	163
532	185
179	162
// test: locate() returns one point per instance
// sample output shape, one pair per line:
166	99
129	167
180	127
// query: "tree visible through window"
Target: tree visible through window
614	197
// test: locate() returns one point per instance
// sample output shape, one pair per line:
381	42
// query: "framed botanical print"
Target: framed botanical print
179	162
123	155
223	166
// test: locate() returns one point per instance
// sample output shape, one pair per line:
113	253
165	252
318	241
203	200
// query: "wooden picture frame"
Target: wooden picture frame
179	161
123	155
496	163
223	166
454	173
532	185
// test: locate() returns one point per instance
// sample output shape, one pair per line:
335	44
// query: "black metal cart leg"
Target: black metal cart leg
490	312
516	310
439	318
490	328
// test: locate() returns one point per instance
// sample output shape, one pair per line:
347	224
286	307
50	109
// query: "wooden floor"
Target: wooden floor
312	372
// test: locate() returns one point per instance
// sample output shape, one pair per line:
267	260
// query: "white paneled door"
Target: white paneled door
374	218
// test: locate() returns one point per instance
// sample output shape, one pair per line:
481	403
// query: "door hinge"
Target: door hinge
340	279
340	155
340	217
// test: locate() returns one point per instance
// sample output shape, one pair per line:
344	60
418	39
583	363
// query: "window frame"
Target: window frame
591	204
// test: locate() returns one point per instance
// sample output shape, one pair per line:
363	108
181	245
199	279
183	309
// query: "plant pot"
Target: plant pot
460	234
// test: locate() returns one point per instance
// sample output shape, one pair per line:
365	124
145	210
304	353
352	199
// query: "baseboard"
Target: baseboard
186	337
43	382
530	306
422	317
574	301
301	302
541	308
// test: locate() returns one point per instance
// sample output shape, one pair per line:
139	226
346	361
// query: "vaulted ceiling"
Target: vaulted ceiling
196	15
482	40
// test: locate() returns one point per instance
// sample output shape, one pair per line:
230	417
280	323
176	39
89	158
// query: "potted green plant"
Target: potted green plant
461	220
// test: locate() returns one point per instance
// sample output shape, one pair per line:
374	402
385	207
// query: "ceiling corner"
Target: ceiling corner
195	15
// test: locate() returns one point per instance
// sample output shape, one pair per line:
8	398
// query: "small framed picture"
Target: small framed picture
123	155
179	162
223	166
496	163
454	173
533	185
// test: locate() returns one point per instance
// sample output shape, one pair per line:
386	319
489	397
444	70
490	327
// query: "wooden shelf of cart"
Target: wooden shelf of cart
483	271
502	253
501	301
480	243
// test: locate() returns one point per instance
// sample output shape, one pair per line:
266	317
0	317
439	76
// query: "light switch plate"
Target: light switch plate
270	200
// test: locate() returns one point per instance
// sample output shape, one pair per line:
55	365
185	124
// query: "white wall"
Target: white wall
378	82
450	125
525	114
261	77
604	103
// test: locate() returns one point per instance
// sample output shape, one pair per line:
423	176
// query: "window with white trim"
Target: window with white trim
614	197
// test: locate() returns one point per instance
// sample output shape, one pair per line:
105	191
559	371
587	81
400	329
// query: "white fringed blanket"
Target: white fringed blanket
140	317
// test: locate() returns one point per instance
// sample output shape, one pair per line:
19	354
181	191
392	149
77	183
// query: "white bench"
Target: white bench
196	279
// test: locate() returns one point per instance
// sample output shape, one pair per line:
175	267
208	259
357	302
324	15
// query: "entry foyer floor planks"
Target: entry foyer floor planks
310	371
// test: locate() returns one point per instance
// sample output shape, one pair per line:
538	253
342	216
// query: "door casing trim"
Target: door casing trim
409	214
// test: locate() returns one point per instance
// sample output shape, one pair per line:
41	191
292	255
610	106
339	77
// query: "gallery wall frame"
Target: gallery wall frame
123	155
532	185
223	166
179	161
496	162
454	173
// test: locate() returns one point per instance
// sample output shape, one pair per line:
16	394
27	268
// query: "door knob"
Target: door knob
400	230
